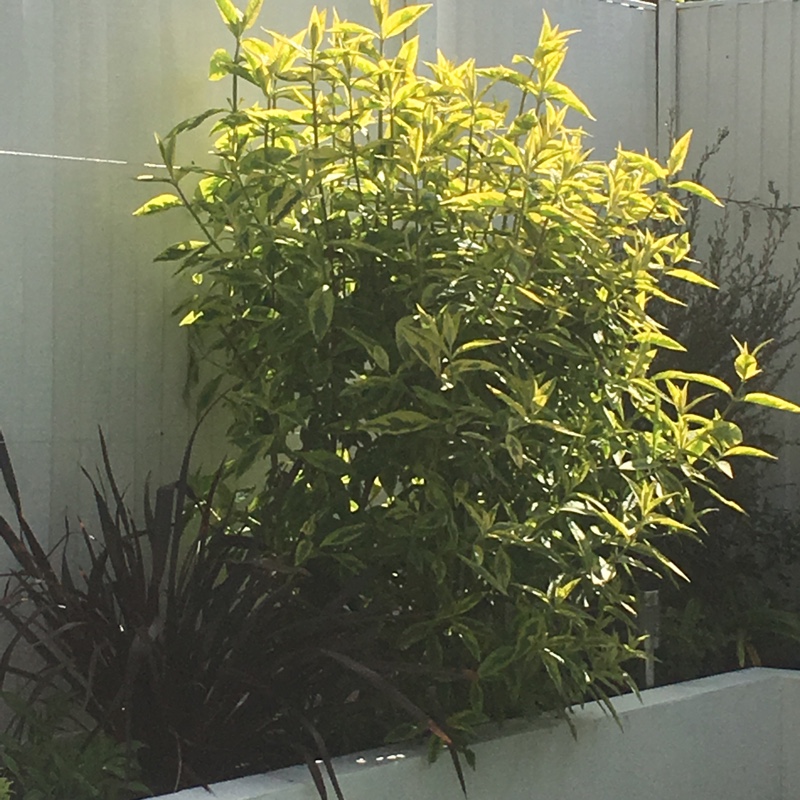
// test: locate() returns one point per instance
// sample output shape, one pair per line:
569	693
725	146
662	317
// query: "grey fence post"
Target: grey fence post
649	614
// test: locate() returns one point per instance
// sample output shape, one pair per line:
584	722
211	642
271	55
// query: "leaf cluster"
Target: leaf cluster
49	755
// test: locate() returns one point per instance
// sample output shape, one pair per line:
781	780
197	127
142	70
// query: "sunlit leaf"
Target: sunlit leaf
696	188
403	18
745	450
691	277
231	15
160	203
678	154
659	340
251	13
693	377
221	65
191	318
771	401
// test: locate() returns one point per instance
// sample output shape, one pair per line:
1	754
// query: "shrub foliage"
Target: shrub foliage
428	311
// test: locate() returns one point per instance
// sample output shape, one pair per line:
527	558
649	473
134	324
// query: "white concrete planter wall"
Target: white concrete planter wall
729	737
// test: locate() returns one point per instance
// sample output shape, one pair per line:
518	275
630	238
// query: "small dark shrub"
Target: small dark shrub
186	636
741	604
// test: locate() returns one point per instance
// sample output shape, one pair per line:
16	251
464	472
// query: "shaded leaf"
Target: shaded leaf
398	422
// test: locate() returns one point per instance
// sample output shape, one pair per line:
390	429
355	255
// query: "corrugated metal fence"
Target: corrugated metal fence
85	333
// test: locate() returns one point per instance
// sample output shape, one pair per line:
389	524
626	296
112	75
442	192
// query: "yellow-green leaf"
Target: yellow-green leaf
532	296
678	154
191	318
694	377
252	12
231	15
316	25
381	10
726	500
696	188
691	277
159	203
221	64
659	340
771	401
475	344
326	461
396	23
746	450
746	365
563	93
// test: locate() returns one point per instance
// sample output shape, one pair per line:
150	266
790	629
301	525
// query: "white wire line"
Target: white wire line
85	159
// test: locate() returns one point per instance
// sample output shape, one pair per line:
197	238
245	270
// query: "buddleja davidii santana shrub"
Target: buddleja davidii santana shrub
429	316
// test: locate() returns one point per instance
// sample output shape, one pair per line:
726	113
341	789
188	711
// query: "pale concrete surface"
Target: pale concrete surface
728	737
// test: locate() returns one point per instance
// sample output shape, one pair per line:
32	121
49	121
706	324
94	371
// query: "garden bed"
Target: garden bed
729	736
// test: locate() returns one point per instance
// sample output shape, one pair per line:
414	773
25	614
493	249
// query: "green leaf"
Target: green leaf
305	548
398	422
678	154
375	351
515	450
193	122
342	536
496	661
221	65
696	188
160	203
502	570
396	23
745	450
326	461
180	250
166	147
693	377
231	16
771	401
320	311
